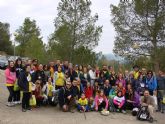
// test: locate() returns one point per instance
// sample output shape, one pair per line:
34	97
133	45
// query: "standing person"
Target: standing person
19	68
160	90
136	72
92	75
59	78
40	75
85	77
105	72
66	99
51	69
71	72
107	88
10	74
25	84
35	63
121	79
66	63
149	102
46	71
113	78
151	82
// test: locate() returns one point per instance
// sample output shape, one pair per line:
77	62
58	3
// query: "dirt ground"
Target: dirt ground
52	115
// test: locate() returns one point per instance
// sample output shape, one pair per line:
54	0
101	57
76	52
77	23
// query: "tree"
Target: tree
140	29
30	41
25	33
74	28
5	43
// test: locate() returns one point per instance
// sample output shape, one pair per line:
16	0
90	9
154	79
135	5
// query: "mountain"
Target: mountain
111	56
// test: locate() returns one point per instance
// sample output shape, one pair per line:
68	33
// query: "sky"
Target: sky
45	11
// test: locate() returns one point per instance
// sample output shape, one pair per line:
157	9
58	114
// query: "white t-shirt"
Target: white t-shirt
119	99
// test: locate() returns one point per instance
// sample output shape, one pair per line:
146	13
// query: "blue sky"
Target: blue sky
45	11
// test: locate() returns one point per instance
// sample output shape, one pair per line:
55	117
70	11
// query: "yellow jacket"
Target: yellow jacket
83	102
59	79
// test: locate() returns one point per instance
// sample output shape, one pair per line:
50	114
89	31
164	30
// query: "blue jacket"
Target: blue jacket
151	83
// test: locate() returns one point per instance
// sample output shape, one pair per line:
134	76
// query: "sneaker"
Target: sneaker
19	102
117	110
30	109
72	111
123	111
10	104
23	110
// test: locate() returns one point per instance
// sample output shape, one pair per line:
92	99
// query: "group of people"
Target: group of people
84	87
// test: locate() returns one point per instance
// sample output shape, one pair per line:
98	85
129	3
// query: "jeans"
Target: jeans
17	95
25	100
11	93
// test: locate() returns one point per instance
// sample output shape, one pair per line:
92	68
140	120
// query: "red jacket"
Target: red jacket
88	92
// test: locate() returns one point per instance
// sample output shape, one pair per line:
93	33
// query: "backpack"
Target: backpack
143	113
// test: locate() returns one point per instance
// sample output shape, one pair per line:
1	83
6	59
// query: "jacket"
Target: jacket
151	83
10	77
24	82
88	92
99	99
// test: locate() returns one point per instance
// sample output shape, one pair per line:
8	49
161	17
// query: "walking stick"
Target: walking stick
84	114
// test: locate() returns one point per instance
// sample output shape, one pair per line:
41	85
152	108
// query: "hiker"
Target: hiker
10	75
83	104
66	99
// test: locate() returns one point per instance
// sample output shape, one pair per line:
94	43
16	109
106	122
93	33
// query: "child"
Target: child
101	101
96	89
91	104
121	88
119	102
88	91
83	104
107	88
48	91
37	93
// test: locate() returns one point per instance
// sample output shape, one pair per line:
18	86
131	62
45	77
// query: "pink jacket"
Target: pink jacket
97	99
10	76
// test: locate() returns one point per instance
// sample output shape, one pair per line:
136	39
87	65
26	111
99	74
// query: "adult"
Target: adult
10	75
59	78
40	75
25	83
160	90
92	75
19	68
66	99
149	102
151	82
121	79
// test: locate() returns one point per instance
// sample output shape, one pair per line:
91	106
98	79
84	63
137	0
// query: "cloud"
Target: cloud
44	12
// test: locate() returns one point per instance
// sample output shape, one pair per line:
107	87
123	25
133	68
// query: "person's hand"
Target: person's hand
144	104
96	109
69	97
118	104
119	107
83	108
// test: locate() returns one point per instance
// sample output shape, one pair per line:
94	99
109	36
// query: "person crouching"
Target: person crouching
83	104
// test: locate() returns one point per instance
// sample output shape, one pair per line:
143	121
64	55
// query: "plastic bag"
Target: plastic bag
16	87
32	100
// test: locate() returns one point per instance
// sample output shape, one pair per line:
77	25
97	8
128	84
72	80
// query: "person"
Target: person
136	72
160	90
92	75
66	99
59	78
10	75
19	68
107	88
151	82
121	88
75	89
71	72
101	101
96	89
46	69
132	98
51	69
113	78
83	104
85	77
38	93
47	91
25	84
119	102
88	91
35	63
121	79
148	101
40	75
105	71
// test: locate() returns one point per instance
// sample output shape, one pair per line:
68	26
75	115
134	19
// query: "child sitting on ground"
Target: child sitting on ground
119	102
83	104
101	101
38	94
